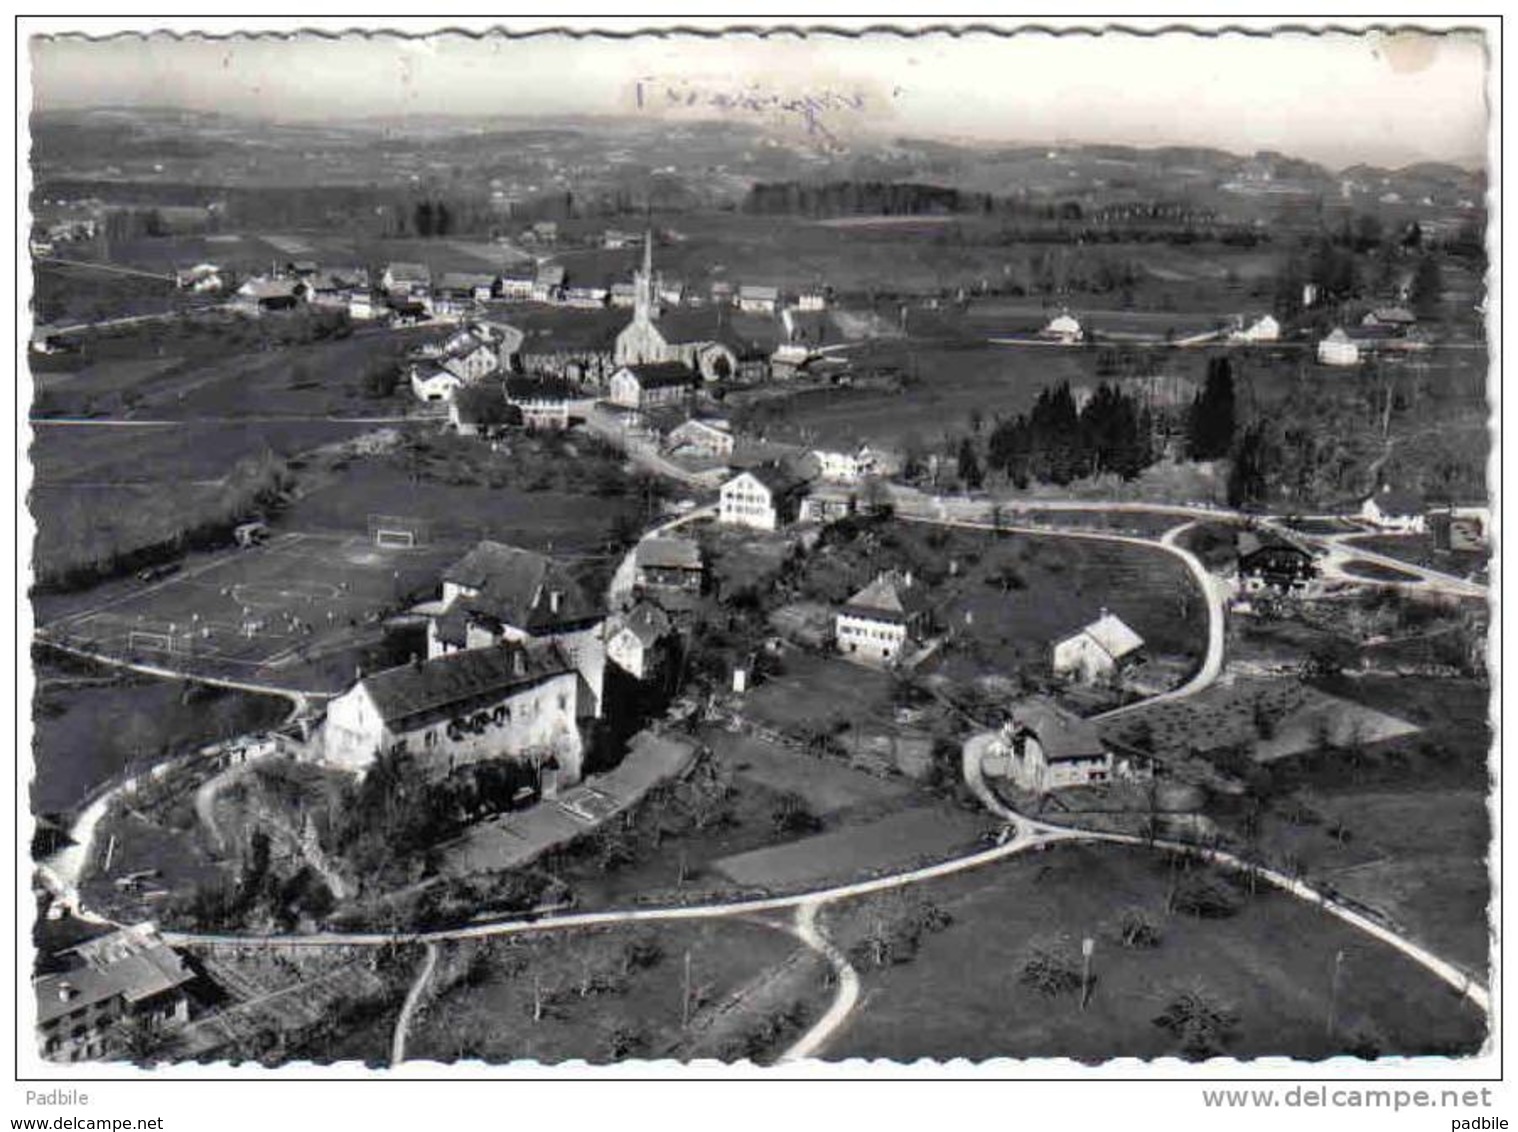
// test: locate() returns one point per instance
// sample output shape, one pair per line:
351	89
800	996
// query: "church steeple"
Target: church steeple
645	287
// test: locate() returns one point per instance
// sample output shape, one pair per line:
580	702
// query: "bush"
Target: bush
1051	969
1138	931
1203	1026
1205	898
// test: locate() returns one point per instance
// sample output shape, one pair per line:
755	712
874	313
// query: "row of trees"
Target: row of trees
1056	442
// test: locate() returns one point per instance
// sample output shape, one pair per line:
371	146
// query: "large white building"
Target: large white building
500	594
1096	652
1044	748
517	700
765	498
883	621
1338	349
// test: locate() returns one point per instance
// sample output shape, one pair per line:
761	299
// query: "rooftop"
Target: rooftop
1113	636
132	963
669	554
411	691
516	587
662	375
892	596
1061	734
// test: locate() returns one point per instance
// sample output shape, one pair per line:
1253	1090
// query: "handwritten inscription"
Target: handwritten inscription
810	108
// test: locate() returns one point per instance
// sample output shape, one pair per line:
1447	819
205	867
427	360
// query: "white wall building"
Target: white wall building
765	498
1338	349
882	622
1096	652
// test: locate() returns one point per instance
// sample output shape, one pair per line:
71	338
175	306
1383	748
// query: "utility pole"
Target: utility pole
1088	946
1333	992
685	994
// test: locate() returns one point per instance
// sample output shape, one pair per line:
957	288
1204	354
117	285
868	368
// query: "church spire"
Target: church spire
645	289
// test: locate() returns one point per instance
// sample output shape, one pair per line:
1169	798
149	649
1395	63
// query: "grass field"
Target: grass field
1375	571
821	692
620	993
258	611
1271	965
827	784
1419	551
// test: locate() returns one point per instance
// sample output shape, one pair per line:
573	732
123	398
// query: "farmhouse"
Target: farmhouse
515	700
633	639
1270	562
127	975
1338	349
1063	328
498	594
432	383
1394	510
1097	651
650	384
665	563
1397	317
337	286
1047	748
264	294
697	437
544	402
406	279
881	621
766	498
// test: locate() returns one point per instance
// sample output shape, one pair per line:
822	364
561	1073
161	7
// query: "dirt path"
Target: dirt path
408	1008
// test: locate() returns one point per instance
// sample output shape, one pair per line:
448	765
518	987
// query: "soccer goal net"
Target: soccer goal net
152	640
398	530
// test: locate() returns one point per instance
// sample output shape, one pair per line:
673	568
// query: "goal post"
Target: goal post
159	641
403	531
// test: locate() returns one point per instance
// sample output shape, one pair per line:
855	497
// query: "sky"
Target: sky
1334	98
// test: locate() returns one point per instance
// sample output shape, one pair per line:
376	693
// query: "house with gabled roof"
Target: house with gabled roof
498	594
1096	652
701	437
634	639
766	498
402	278
516	700
1393	509
1047	748
884	620
650	384
666	562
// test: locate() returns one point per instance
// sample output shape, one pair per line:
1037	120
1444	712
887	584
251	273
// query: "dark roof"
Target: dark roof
669	553
745	334
404	272
1061	734
536	389
1253	542
646	622
132	964
1395	501
891	597
662	375
779	480
463	281
515	586
549	329
435	687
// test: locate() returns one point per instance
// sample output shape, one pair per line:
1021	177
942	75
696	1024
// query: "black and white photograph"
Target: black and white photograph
765	547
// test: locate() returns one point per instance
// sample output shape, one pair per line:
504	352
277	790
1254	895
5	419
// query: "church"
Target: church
716	342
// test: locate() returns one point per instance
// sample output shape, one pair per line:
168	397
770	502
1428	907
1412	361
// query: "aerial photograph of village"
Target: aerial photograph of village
756	549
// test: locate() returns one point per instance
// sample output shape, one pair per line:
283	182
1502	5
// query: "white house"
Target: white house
1338	349
515	700
406	279
548	284
1263	329
633	639
1392	510
1046	748
471	361
1063	328
697	437
882	621
544	403
844	467
765	498
812	299
1097	651
516	286
430	383
649	384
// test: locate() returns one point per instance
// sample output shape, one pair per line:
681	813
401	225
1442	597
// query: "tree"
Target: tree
1211	423
1248	474
1203	1025
969	465
1427	288
485	406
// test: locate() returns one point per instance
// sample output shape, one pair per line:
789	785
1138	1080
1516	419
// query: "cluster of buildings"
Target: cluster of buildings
1382	328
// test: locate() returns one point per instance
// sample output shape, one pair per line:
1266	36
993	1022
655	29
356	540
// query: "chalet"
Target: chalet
1098	651
883	621
1047	748
1063	328
498	593
406	279
432	383
263	294
651	384
634	639
1268	562
548	283
1338	349
667	563
128	975
758	299
1393	510
704	438
509	701
545	402
767	498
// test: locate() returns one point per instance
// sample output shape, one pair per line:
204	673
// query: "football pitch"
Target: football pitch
259	609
